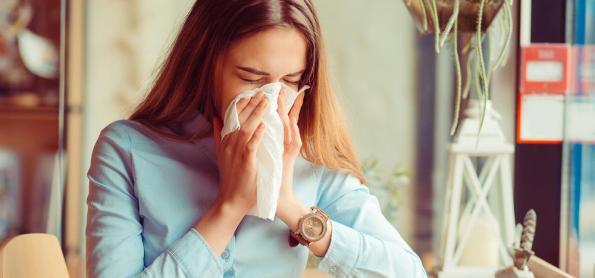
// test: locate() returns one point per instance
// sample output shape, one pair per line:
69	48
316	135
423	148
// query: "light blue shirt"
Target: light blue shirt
147	191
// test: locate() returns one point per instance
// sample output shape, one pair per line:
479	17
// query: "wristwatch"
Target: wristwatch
311	228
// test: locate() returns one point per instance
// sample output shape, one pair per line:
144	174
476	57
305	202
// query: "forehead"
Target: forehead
277	50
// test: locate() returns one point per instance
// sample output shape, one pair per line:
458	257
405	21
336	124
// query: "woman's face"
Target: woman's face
276	54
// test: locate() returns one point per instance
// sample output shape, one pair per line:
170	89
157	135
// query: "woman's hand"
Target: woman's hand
236	154
289	209
292	142
236	159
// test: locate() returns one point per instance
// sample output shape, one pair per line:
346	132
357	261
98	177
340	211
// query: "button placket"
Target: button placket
229	273
333	270
227	257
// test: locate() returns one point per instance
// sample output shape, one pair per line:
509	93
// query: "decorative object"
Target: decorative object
39	54
480	152
483	244
491	179
13	74
526	264
29	57
521	250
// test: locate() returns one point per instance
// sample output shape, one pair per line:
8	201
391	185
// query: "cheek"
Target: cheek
229	89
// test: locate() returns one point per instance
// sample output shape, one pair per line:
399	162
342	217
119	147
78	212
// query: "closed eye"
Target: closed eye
252	80
292	82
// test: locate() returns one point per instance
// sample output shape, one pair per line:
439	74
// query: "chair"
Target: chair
32	256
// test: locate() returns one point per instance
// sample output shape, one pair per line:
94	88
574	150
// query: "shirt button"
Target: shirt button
225	254
229	273
333	269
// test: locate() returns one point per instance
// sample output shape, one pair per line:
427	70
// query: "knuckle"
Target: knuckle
252	102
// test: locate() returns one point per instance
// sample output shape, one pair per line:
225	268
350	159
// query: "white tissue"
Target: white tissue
269	154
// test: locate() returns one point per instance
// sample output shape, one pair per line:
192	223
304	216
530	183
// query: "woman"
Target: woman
169	197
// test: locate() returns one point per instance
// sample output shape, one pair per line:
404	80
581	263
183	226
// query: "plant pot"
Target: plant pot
468	14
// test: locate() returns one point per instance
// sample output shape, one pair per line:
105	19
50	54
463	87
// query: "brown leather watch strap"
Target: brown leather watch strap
291	240
296	238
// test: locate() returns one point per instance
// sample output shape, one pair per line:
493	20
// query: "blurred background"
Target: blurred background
68	68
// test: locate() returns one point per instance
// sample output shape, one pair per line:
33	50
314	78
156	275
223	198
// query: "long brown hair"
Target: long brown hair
185	82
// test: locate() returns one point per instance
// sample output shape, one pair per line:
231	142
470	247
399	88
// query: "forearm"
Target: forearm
219	223
357	254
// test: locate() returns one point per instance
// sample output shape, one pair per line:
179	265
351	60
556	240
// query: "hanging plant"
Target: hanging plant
470	22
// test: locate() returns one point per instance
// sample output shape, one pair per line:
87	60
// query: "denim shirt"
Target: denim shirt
147	191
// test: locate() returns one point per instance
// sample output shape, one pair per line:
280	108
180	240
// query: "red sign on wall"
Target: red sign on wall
546	75
556	99
545	68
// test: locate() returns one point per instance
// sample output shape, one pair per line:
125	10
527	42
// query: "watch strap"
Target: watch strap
296	237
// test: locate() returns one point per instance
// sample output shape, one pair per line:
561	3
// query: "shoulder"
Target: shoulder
111	153
127	132
117	131
115	141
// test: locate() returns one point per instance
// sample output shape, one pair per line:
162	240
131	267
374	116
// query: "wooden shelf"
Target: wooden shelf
49	113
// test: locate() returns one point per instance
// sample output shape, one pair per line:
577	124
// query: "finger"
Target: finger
283	116
241	104
252	104
256	138
294	113
249	126
295	130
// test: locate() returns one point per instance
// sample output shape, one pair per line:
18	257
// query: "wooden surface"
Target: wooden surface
32	256
541	268
314	273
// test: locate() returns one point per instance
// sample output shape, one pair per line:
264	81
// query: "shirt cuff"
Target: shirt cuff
342	255
195	255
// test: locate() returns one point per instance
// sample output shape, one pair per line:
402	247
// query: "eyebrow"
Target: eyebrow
259	72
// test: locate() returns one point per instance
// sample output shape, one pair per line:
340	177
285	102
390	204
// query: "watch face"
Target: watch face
313	228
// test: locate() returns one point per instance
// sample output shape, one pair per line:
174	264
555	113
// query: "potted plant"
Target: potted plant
467	24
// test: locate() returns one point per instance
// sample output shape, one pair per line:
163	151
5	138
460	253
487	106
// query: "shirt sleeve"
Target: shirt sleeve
114	226
363	243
